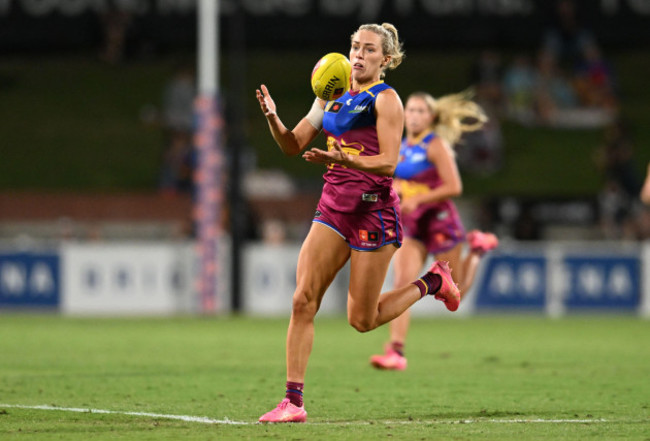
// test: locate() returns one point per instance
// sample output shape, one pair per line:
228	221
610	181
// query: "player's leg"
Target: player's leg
407	266
456	263
367	310
479	243
367	273
470	266
322	255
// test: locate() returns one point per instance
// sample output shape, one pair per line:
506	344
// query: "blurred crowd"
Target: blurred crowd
567	83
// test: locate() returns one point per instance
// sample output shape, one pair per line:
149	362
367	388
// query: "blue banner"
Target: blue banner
29	279
513	281
603	282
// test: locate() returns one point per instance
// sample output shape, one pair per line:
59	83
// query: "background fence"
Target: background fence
135	278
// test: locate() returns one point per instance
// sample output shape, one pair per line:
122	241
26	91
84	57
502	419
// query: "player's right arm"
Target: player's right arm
291	142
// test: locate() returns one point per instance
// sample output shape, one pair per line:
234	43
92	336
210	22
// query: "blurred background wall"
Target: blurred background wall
97	150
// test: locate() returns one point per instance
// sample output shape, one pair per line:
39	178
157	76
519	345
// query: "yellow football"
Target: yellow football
331	76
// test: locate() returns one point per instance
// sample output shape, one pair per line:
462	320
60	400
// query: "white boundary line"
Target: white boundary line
188	418
206	420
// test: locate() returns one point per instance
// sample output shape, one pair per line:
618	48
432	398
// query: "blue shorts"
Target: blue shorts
363	231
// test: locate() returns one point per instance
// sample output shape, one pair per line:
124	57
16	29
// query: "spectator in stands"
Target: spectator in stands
594	80
613	210
566	39
176	174
619	196
587	78
116	24
481	151
178	99
486	76
553	91
519	90
178	124
616	158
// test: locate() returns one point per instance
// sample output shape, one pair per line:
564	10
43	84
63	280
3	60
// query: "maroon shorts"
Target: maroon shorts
437	226
363	231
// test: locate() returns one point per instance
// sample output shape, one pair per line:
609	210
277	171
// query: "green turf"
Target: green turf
466	379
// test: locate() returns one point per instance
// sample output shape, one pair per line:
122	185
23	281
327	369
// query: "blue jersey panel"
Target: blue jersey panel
352	111
413	158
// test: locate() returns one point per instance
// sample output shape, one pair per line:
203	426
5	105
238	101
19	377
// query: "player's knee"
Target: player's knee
304	305
361	324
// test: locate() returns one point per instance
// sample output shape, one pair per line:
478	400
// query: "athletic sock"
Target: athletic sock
428	284
397	347
294	393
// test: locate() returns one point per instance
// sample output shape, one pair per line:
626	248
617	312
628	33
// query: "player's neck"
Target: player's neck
416	138
359	86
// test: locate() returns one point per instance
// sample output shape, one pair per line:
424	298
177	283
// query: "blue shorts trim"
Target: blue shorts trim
397	244
330	226
382	225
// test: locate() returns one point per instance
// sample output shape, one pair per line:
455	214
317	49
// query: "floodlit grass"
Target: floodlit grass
481	378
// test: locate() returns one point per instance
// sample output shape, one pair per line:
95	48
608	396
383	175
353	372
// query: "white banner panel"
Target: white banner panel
126	279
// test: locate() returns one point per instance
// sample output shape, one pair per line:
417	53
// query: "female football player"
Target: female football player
357	217
427	178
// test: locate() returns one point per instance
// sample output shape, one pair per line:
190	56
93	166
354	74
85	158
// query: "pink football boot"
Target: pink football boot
390	360
448	292
285	413
481	242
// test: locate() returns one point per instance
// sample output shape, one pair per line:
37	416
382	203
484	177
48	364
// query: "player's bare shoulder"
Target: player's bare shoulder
388	100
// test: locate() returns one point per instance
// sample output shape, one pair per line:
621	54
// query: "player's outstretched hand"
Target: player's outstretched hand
336	155
265	100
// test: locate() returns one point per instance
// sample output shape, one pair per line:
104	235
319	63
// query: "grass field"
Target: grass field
482	378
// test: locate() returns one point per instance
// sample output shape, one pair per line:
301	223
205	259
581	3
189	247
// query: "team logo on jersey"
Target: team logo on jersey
333	107
418	157
318	213
354	148
370	197
358	109
368	236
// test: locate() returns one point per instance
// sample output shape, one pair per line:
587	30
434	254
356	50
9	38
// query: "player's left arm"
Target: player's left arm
389	114
440	153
